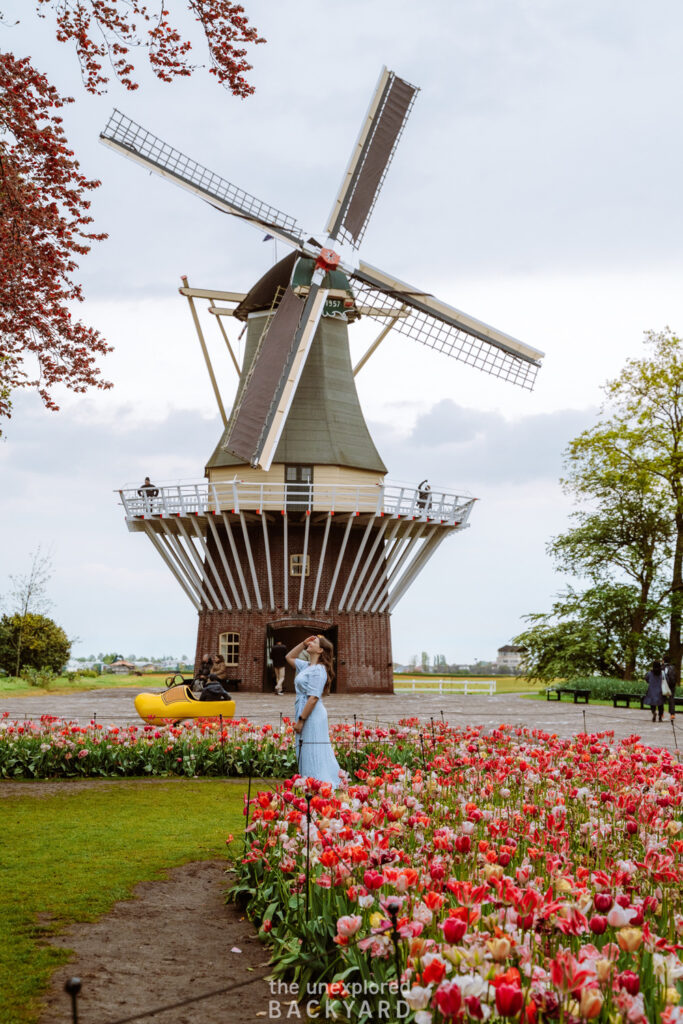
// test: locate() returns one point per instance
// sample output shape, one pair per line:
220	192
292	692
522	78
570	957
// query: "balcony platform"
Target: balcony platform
205	499
230	545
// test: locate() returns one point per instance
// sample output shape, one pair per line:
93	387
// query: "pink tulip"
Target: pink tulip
349	925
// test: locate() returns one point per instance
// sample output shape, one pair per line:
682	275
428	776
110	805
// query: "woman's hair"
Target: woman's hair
327	659
218	657
656	668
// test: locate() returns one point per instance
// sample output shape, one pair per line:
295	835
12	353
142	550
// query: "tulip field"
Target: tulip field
514	876
454	876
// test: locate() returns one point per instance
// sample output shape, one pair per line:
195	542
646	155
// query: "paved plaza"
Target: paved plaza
564	718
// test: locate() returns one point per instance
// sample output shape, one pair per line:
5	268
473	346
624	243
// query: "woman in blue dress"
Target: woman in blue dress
314	752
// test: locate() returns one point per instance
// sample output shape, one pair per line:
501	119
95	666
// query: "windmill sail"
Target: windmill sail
442	327
268	392
380	133
129	138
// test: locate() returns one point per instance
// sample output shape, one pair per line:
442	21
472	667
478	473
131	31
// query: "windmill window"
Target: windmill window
296	565
229	647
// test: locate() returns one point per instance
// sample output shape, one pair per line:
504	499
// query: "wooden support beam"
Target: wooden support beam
266	545
415	567
337	567
250	558
321	561
198	328
303	568
208	559
285	560
367	563
172	565
356	561
236	557
380	562
377	342
211	293
226	340
186	562
205	578
396	550
221	551
378	600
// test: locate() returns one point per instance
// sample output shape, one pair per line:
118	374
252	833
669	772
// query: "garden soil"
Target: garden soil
174	941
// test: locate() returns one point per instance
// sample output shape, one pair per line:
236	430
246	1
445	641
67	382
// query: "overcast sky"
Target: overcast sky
537	187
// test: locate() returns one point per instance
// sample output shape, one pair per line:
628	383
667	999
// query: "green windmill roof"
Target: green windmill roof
325	424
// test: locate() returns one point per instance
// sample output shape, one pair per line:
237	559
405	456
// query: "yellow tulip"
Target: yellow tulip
629	939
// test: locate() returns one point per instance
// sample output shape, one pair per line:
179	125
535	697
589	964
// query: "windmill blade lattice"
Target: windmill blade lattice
268	392
372	155
425	319
131	139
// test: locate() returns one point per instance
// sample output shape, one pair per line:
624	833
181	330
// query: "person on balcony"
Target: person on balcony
424	496
147	492
314	752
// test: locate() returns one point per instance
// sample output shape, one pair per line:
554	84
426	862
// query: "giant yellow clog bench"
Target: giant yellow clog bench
178	703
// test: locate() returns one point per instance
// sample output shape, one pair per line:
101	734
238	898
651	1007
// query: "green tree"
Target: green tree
588	632
624	536
641	432
33	640
28	595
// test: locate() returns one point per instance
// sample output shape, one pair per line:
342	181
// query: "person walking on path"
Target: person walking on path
278	656
654	696
314	752
669	673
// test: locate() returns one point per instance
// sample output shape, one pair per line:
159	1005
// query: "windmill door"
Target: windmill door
299	482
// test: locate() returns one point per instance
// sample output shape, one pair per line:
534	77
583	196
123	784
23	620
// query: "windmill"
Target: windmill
295	529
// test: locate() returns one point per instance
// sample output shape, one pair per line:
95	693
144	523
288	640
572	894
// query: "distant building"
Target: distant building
122	667
510	657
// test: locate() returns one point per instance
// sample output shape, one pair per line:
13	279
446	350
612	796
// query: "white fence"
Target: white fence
427	685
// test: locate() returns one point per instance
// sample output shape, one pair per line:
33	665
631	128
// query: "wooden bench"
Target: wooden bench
619	699
580	696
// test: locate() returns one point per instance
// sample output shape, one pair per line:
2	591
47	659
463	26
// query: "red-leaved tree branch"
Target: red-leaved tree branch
44	221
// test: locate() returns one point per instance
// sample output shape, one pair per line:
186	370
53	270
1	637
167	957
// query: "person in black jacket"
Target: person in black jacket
654	696
278	657
669	673
202	674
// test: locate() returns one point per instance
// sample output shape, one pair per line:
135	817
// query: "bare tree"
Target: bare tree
28	593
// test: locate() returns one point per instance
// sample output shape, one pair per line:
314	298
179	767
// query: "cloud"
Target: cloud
458	446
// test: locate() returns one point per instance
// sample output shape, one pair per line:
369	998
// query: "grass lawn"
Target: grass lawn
10	686
69	856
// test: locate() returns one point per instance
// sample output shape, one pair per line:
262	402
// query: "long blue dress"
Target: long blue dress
314	752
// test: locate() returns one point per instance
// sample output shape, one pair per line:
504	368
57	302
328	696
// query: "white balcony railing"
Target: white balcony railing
184	499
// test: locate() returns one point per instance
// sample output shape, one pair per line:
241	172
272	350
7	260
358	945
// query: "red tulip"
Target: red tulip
509	1000
602	901
474	1007
448	998
597	924
453	929
630	982
434	971
373	879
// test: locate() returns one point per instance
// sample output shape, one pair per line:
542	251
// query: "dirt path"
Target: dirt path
174	940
